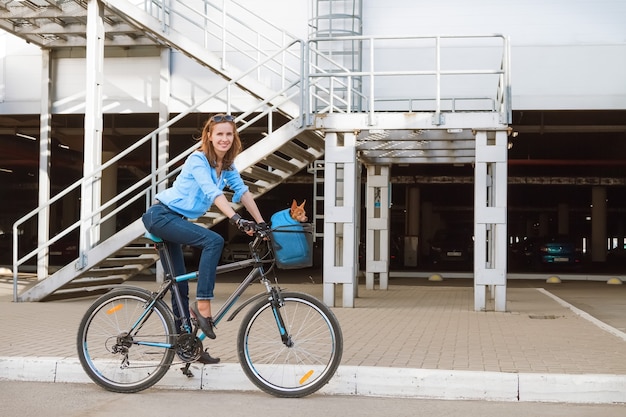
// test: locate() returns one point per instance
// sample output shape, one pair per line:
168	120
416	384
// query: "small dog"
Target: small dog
297	212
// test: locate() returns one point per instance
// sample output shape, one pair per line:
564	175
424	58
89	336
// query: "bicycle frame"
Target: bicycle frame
171	281
298	363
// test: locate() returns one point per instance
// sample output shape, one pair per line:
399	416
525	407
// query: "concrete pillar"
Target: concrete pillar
598	224
429	222
377	227
45	148
341	214
412	228
109	191
162	149
490	221
90	191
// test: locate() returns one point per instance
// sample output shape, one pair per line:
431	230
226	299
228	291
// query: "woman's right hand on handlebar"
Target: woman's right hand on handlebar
246	226
263	229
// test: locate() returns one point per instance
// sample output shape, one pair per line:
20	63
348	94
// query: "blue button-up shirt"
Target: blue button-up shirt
197	186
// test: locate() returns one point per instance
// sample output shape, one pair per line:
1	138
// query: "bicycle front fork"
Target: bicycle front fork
277	302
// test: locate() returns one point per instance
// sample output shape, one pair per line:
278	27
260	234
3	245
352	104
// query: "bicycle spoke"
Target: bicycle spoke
307	363
119	361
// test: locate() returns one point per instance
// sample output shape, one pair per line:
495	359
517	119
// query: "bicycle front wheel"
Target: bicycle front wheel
299	362
122	346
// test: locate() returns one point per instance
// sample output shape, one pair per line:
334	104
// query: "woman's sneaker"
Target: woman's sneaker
207	359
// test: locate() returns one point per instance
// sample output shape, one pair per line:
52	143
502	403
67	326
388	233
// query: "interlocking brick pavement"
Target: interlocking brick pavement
410	325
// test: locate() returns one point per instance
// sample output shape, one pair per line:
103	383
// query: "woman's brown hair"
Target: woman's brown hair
207	147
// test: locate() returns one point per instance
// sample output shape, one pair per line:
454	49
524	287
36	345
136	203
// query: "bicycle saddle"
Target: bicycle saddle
152	237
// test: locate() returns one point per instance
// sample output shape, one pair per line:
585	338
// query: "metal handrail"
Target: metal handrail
226	29
260	109
316	77
499	94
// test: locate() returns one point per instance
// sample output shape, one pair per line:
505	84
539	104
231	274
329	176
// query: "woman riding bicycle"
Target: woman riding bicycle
205	173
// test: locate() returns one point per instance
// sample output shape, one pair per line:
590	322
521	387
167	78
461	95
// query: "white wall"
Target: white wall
566	54
527	22
131	84
20	76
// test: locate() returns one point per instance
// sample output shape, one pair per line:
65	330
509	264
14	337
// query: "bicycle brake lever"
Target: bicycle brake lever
262	230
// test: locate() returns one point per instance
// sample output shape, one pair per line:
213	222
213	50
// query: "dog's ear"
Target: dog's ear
294	204
302	205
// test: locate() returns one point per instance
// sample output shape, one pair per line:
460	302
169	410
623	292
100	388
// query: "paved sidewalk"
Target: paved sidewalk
563	342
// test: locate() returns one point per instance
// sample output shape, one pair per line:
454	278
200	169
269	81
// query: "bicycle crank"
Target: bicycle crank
188	347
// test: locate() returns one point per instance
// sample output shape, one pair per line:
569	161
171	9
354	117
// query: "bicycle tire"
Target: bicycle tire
307	365
109	317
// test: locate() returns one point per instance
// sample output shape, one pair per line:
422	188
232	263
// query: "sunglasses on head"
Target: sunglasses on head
222	118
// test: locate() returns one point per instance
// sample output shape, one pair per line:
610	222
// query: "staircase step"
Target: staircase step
312	139
254	188
112	271
86	287
120	261
137	251
262	174
282	164
94	282
78	293
295	151
285	152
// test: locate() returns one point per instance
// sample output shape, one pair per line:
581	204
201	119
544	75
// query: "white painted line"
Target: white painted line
585	315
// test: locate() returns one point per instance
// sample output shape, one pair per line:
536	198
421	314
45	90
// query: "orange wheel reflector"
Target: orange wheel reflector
114	309
306	377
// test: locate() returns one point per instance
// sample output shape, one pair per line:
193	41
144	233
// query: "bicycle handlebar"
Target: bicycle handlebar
261	234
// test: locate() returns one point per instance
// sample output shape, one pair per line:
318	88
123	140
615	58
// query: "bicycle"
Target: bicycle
289	344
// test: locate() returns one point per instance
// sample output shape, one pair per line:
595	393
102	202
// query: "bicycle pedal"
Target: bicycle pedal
186	371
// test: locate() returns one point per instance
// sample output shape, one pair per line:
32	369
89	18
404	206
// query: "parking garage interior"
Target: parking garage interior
555	160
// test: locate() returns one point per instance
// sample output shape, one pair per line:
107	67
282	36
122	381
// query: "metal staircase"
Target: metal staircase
293	88
282	153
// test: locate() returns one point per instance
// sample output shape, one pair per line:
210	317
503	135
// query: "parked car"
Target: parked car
553	251
452	246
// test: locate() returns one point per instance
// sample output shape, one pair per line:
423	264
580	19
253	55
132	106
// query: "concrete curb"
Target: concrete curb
364	381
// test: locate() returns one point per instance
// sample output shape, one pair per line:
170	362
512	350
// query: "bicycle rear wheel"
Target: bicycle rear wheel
300	365
119	361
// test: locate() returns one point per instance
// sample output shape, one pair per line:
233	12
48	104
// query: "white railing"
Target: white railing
240	37
146	187
298	72
421	73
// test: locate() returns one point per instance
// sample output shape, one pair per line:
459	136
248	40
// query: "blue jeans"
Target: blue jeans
177	231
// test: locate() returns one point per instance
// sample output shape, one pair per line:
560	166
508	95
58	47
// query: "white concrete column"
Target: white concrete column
341	207
163	143
429	223
377	225
598	224
90	191
45	148
490	209
412	228
109	191
161	150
